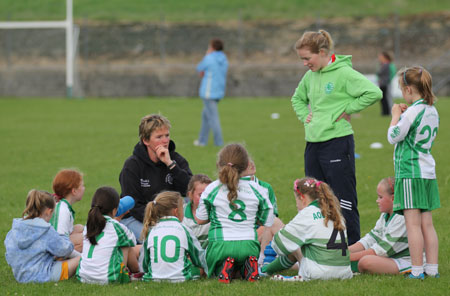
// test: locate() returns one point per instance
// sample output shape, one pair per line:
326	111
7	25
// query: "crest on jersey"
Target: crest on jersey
395	132
169	179
329	88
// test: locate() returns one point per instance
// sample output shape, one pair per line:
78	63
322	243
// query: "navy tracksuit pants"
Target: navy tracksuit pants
333	162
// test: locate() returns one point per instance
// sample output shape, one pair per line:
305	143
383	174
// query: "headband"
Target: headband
404	77
296	186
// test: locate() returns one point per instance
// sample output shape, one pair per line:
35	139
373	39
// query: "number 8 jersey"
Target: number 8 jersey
414	135
238	222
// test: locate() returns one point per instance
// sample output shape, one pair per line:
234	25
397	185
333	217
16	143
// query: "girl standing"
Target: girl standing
107	243
32	244
170	248
413	130
68	186
234	206
315	237
324	99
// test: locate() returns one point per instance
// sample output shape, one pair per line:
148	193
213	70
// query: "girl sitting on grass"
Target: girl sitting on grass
234	206
170	248
316	237
33	244
107	246
68	186
385	248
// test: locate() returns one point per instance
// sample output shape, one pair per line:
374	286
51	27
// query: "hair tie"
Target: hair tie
296	186
229	164
154	202
318	183
56	196
404	77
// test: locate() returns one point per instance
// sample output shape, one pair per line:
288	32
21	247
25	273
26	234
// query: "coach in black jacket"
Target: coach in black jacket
153	167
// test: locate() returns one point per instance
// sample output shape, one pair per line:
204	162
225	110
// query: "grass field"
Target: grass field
206	10
41	136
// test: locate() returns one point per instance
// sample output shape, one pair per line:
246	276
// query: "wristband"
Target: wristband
172	165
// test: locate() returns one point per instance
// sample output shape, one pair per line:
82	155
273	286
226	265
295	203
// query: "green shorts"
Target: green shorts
416	193
218	251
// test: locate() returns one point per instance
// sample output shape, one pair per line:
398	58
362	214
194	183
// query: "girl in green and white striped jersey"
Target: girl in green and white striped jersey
195	188
68	188
315	237
170	248
385	248
413	130
234	206
107	246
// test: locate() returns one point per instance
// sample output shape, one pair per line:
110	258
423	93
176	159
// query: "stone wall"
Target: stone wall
158	59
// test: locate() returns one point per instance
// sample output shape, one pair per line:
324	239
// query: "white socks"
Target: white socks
416	270
431	269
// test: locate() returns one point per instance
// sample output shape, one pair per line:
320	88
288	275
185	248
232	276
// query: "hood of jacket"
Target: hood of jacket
219	57
140	151
341	61
26	232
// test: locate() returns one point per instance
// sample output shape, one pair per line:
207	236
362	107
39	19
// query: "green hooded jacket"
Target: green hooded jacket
329	92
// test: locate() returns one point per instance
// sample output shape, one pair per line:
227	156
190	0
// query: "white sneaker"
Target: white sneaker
285	278
198	144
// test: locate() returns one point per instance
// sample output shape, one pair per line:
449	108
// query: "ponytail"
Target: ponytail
421	80
161	206
328	202
37	202
315	42
105	200
232	161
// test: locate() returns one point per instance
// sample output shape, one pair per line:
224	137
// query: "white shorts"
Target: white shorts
403	265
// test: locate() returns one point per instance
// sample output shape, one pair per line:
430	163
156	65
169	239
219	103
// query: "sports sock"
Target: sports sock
416	270
280	263
431	269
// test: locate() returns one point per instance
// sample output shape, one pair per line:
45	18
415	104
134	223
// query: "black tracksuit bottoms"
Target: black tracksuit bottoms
333	162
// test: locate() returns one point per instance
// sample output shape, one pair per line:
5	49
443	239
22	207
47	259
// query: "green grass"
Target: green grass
212	10
41	136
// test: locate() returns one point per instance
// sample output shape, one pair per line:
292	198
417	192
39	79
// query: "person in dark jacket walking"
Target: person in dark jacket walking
153	167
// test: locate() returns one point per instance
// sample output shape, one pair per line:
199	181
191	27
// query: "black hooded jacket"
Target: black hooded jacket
143	179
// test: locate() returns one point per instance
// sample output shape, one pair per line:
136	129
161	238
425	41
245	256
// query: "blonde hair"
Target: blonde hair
328	202
161	206
200	178
64	181
150	123
232	161
388	184
316	41
420	79
37	202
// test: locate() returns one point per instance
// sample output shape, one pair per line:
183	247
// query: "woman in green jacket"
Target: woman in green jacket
324	100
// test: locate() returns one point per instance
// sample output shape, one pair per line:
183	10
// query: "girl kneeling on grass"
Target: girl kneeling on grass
68	187
234	206
170	248
107	246
32	244
316	237
385	248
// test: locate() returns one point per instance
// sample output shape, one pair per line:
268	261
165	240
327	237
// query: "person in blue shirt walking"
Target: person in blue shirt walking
213	70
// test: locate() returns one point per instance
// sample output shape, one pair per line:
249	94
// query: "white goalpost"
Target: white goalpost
66	24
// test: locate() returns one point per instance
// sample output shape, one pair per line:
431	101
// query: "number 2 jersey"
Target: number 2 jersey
170	249
238	222
103	263
414	135
308	232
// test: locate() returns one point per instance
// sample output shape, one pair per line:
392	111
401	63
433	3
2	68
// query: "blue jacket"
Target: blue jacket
31	246
214	66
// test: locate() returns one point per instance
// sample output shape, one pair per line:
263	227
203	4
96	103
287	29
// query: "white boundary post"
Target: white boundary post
66	24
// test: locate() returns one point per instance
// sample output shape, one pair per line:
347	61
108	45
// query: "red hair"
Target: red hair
64	181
